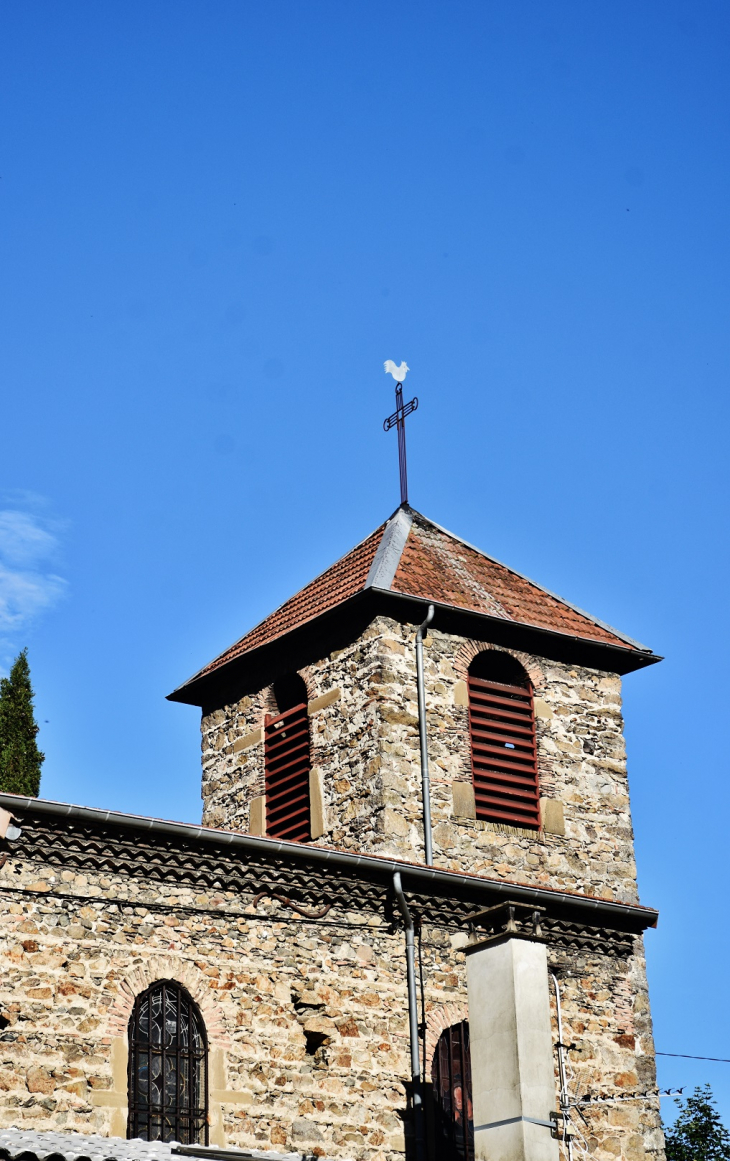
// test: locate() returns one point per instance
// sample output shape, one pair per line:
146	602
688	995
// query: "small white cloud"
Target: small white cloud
28	584
22	539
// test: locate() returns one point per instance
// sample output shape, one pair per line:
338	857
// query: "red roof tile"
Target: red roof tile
439	567
340	581
412	556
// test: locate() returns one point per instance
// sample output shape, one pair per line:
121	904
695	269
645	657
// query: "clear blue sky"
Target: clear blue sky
218	220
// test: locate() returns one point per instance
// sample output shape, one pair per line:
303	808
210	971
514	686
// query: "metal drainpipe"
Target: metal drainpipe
425	780
418	1110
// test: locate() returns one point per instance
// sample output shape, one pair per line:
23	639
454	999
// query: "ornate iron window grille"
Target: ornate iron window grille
452	1095
168	1067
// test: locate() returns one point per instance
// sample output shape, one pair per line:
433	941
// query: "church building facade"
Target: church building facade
297	975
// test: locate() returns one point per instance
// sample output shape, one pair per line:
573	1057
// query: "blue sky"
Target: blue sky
219	219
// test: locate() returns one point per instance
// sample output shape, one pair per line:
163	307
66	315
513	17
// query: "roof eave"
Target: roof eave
600	654
622	916
629	658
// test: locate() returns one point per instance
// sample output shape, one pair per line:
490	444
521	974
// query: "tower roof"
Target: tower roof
411	556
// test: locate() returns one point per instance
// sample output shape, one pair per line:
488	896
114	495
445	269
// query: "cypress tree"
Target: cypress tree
698	1134
20	758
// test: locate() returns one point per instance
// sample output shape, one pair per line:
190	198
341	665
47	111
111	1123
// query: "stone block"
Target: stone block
393	823
103	1098
317	814
461	694
464	802
552	818
257	815
319	703
232	1096
542	709
248	741
37	1079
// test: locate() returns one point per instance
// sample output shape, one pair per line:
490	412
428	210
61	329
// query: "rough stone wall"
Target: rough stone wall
365	744
344	734
581	765
606	1014
307	1021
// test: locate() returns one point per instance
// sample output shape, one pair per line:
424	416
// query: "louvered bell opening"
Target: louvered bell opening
504	759
287	775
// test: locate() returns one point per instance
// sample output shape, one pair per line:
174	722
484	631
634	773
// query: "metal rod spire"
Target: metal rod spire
398	419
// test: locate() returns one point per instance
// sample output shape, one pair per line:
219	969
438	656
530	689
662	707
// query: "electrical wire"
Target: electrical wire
683	1056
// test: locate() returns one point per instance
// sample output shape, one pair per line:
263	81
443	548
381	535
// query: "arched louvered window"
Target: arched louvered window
452	1096
168	1066
502	732
287	762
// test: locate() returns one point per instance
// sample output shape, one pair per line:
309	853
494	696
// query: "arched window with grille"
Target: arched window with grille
168	1066
502	734
453	1128
287	762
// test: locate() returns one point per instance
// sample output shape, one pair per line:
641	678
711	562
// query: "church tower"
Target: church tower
408	928
310	727
513	765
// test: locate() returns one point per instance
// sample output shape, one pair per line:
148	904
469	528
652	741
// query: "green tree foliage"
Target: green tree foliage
20	758
698	1134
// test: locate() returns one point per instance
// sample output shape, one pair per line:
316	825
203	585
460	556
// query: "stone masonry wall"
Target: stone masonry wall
365	745
344	733
307	1021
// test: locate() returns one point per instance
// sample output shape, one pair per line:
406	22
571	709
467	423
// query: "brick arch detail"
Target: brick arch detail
163	968
309	676
268	702
470	649
437	1021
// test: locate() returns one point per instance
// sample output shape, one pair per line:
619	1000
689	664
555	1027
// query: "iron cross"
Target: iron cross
398	419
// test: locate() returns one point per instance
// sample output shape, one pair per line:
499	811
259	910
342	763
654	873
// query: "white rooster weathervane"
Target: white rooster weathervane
398	419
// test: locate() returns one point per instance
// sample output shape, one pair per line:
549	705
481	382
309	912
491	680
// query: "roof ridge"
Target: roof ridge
556	596
389	551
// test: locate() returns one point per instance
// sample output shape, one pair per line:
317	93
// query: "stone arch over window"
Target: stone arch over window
160	967
469	649
451	1089
168	1067
502	740
287	761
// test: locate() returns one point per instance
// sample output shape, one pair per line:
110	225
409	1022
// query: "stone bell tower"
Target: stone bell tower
347	639
310	733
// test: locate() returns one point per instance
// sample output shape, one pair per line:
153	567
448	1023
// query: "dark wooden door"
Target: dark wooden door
452	1096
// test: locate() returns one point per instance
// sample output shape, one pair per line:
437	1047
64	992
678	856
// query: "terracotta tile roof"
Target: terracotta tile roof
439	567
340	581
48	1145
413	556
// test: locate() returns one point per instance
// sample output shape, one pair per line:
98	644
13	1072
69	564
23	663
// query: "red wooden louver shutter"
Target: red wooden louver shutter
287	775
504	760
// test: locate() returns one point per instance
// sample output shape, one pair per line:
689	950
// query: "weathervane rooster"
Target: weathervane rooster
398	373
398	420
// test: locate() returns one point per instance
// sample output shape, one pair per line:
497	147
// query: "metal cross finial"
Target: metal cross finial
398	419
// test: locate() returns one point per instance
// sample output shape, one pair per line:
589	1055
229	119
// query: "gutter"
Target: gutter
423	739
602	912
646	656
